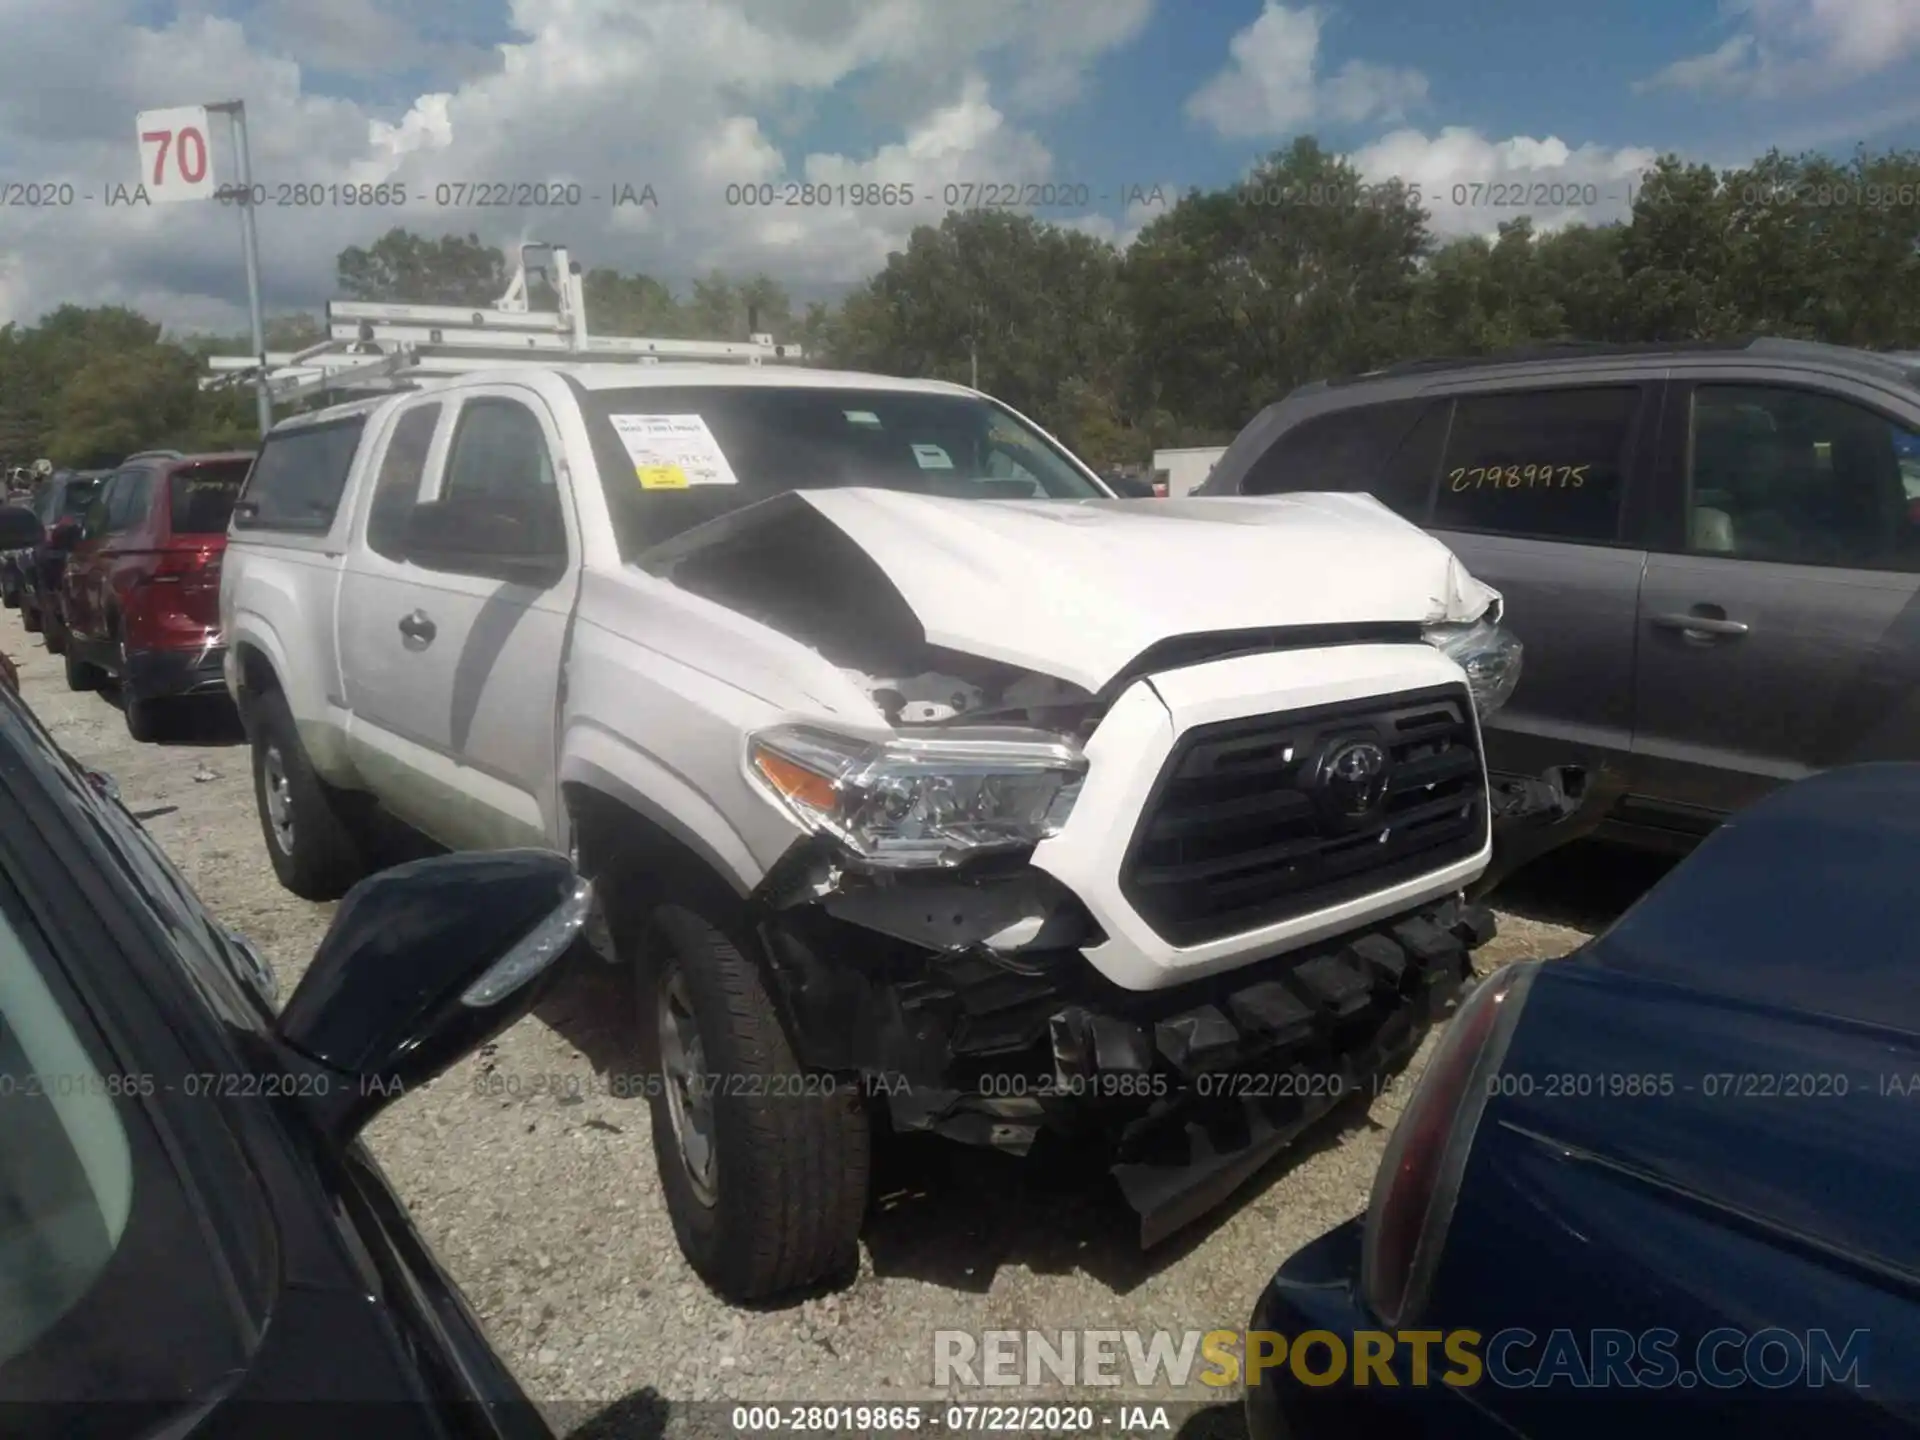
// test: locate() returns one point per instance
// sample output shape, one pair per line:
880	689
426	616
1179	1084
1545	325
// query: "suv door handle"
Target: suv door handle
417	627
1702	626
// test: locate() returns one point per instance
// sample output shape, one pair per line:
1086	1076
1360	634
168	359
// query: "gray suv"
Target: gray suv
1710	550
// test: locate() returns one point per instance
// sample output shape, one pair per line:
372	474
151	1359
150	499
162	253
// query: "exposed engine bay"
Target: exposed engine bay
807	579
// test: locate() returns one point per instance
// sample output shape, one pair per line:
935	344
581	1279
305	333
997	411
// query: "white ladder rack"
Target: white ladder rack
373	347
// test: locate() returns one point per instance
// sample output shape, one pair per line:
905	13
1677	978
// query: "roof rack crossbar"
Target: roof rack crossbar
375	346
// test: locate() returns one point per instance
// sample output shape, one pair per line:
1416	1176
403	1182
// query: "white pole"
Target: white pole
263	395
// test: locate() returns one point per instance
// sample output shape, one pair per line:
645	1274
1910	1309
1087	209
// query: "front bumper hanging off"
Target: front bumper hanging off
1271	1052
1192	1088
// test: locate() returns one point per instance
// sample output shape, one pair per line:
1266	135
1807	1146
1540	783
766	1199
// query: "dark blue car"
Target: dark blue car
1667	1186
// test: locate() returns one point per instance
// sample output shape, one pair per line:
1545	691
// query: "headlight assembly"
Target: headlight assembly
908	803
1489	655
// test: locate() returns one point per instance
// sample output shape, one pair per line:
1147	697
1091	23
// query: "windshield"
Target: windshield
676	457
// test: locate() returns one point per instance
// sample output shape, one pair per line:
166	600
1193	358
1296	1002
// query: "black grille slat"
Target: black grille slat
1232	839
1243	809
1454	763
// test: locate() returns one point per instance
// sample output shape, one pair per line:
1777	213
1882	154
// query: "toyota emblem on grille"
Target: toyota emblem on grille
1353	778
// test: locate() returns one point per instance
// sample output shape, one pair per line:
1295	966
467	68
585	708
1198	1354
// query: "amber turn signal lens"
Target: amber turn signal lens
796	782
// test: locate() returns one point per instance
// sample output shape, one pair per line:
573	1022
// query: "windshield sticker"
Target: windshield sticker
672	452
861	417
932	457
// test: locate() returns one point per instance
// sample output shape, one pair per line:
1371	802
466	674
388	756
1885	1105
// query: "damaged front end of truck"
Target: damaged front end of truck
1182	871
966	1005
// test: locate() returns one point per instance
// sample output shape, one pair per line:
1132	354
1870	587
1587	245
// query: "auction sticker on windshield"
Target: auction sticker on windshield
671	452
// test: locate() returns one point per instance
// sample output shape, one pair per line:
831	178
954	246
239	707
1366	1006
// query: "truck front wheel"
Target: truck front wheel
309	839
764	1166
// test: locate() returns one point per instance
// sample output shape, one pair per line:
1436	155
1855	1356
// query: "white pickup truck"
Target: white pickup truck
929	785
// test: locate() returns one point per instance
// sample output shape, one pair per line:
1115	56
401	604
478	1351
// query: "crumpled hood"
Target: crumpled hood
1077	590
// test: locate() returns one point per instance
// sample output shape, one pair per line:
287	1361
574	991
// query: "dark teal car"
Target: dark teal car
194	1241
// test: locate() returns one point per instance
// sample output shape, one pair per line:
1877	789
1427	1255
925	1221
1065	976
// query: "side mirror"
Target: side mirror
19	528
424	963
64	536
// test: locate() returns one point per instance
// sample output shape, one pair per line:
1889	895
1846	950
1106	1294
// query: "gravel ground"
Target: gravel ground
546	1210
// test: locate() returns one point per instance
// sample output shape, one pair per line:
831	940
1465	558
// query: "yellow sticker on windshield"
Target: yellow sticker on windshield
661	477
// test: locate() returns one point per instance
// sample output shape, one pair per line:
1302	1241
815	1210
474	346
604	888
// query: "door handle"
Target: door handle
418	628
1701	624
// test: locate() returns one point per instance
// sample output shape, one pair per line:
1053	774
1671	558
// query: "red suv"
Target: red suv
141	593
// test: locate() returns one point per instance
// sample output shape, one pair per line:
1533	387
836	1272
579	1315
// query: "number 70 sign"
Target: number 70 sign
176	160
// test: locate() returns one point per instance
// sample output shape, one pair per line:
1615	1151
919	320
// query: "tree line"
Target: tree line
1226	301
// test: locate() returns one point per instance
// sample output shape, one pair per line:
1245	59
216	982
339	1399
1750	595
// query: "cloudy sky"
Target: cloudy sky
1102	99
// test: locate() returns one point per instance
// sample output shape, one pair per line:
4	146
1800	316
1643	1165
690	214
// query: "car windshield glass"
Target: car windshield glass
203	496
676	457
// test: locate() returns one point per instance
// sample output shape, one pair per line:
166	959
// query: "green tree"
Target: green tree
1674	254
22	399
408	269
1475	296
619	304
293	331
1826	250
1236	296
1579	268
123	400
1037	307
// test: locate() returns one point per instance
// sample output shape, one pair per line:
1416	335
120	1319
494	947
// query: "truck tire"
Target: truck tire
780	1204
53	632
80	675
143	715
309	838
29	618
143	718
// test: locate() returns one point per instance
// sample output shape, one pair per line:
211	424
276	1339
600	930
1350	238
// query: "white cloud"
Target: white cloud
1799	47
688	96
1719	71
1471	185
1271	85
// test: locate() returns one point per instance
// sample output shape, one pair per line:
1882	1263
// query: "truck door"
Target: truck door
454	620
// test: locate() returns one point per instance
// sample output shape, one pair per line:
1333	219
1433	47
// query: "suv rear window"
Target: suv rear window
202	496
1545	463
298	477
77	495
